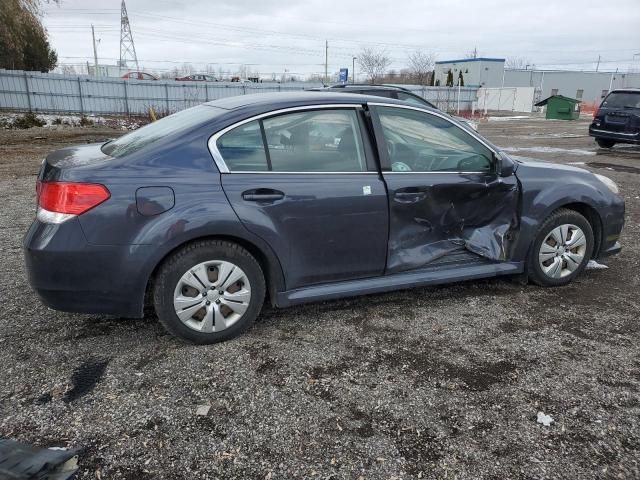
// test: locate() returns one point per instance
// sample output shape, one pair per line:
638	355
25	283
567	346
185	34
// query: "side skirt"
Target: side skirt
397	281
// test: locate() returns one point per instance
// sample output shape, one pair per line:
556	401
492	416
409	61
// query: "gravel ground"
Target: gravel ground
441	382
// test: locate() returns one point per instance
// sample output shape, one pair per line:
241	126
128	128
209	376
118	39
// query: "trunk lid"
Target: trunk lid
72	163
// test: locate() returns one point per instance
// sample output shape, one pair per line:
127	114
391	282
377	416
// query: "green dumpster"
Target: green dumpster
560	107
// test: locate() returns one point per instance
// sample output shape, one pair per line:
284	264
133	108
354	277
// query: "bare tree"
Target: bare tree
68	69
421	66
373	63
186	69
516	63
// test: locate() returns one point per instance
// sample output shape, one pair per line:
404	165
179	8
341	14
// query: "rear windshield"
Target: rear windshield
622	99
176	123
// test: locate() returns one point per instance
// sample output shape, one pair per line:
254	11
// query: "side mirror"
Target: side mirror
506	166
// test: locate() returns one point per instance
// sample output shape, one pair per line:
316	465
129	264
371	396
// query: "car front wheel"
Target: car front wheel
561	250
209	291
603	143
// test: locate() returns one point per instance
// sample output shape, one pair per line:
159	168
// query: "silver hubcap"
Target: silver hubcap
212	296
562	251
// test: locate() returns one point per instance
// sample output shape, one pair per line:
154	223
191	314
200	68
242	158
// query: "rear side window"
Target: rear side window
622	99
173	124
317	141
414	100
380	93
242	148
309	141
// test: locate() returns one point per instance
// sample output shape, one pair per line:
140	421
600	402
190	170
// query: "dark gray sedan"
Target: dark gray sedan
301	197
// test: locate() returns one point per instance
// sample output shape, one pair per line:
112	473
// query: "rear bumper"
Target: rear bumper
616	136
71	275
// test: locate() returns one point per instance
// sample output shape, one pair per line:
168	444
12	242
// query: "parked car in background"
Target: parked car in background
198	77
138	76
301	197
618	118
391	91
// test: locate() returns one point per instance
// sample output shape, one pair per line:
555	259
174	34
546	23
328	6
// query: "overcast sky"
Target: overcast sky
272	36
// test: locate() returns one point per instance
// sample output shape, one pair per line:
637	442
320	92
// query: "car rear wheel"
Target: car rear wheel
603	143
209	291
561	250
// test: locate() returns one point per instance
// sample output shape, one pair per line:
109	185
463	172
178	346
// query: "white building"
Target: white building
590	87
476	72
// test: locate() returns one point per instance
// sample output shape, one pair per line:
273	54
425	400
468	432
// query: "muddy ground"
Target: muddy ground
441	382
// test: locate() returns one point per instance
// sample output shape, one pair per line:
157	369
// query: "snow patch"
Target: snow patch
506	119
545	420
593	265
568	151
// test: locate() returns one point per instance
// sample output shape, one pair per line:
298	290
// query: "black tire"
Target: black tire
186	258
557	218
604	143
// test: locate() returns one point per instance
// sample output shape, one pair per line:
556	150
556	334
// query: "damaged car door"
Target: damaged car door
448	204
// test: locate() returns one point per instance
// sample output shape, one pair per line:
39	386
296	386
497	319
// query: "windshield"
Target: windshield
176	123
622	99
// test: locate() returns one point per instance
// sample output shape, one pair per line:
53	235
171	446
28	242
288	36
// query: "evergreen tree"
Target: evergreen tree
433	78
449	82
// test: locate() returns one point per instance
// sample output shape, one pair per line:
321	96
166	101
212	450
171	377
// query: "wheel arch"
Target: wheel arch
274	276
594	219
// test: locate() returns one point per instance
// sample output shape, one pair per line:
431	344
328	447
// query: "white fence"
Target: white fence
510	99
54	93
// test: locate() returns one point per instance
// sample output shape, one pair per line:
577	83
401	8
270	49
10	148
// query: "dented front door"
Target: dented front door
444	192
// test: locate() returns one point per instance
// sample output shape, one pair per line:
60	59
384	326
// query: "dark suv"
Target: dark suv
392	91
300	197
618	118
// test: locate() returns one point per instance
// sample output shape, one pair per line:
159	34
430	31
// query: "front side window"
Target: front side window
420	142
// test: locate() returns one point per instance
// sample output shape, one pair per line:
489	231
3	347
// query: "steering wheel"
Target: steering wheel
400	167
467	164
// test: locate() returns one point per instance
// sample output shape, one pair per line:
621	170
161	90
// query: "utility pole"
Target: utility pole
598	64
95	52
326	62
353	71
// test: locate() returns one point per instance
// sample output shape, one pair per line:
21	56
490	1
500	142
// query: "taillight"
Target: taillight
595	112
70	198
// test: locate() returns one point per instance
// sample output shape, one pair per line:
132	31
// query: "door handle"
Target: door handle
410	196
262	195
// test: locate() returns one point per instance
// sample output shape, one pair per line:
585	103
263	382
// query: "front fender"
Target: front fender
545	191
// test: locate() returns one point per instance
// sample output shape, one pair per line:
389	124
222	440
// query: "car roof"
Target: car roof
626	89
265	102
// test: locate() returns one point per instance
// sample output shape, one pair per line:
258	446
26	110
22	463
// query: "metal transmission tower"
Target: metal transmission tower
127	47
